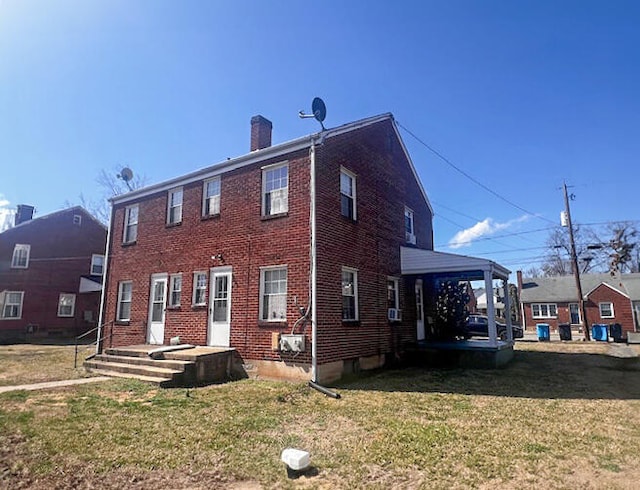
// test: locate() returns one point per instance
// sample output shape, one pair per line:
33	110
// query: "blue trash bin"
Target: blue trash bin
543	332
600	332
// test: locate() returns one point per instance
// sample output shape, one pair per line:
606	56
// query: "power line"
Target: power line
499	236
472	179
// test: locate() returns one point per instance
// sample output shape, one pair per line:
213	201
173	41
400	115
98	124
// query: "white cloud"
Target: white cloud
6	214
481	229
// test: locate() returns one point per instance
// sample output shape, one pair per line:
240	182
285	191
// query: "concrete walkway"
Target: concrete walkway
53	384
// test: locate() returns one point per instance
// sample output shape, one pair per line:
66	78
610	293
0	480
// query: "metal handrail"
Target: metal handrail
96	342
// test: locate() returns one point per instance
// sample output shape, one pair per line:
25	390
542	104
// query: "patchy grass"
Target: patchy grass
560	416
32	363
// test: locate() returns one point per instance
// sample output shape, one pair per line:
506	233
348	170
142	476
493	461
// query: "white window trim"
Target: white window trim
263	196
195	288
16	248
396	287
77	219
613	315
354	196
170	205
128	223
355	293
172	280
410	237
3	302
120	301
540	305
73	305
205	198
262	293
93	264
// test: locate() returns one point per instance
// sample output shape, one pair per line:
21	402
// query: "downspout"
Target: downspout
314	265
314	278
104	284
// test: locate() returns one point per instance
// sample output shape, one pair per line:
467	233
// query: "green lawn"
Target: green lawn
560	416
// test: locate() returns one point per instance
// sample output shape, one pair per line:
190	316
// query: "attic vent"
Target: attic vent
77	219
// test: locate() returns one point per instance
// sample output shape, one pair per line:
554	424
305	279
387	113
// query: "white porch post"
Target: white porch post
491	310
507	308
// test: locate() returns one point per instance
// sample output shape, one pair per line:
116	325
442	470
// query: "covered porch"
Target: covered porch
428	271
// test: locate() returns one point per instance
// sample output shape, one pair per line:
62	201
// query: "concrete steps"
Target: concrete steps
138	365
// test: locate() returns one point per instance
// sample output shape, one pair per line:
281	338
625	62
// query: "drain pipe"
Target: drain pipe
314	279
103	295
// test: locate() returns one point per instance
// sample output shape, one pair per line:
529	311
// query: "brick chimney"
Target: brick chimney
24	213
260	133
519	274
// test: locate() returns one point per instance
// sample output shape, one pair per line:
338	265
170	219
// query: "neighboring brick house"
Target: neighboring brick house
50	274
290	254
608	299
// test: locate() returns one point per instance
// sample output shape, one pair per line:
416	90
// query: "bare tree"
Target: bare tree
623	246
111	184
557	261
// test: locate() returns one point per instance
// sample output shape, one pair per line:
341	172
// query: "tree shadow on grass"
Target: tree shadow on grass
548	375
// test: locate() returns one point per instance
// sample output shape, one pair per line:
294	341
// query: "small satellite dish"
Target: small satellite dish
319	111
126	174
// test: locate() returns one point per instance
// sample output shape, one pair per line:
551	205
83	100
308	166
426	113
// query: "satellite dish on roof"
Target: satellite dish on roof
126	174
318	109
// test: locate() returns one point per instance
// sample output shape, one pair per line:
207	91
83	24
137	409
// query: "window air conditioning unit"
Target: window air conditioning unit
394	314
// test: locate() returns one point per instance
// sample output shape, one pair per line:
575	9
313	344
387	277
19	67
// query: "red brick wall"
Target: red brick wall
621	308
60	253
371	244
385	184
246	241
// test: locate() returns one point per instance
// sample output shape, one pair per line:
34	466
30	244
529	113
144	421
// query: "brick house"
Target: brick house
290	254
608	299
50	274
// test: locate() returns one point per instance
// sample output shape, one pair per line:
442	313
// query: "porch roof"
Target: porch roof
421	261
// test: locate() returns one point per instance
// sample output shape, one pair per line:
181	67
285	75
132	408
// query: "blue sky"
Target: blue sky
519	95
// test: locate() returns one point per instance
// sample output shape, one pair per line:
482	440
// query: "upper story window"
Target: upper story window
97	264
174	206
275	189
348	194
77	219
273	294
211	197
349	294
409	230
20	259
125	293
130	233
175	289
66	304
606	310
11	305
541	310
199	288
393	299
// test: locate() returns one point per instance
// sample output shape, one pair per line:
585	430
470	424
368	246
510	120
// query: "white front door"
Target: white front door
219	331
419	310
157	308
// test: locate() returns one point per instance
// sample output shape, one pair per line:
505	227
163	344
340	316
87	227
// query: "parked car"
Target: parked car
478	326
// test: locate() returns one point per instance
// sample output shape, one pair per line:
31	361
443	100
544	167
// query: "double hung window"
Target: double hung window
125	290
409	230
66	304
211	197
199	288
20	259
174	206
606	309
130	233
175	289
273	292
11	305
349	294
543	310
348	194
275	190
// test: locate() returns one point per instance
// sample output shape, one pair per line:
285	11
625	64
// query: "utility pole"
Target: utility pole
574	264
